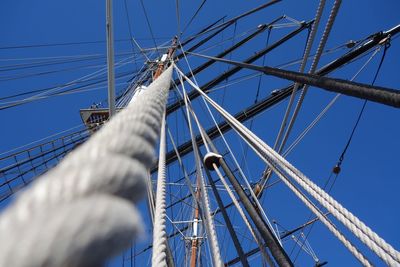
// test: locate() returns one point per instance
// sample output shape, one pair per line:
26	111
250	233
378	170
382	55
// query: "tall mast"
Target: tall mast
110	58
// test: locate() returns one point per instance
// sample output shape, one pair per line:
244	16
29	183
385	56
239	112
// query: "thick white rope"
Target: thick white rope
237	127
308	203
81	212
385	251
359	229
159	256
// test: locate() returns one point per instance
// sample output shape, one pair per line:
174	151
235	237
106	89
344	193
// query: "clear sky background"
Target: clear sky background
369	183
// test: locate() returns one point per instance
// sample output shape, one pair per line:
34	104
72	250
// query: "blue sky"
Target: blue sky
368	184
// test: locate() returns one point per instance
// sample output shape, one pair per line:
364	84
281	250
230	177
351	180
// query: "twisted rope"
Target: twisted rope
379	246
314	64
310	41
81	213
159	231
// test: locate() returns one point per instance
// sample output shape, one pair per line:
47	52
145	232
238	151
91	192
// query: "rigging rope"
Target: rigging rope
230	193
149	25
314	64
209	223
386	46
159	256
254	197
193	17
310	41
93	185
379	246
320	115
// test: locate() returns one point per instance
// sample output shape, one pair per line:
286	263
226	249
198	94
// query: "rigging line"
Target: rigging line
45	63
141	50
292	20
82	78
245	219
251	76
307	50
92	82
306	54
186	176
193	17
230	57
386	46
67	92
148	24
321	45
220	43
364	233
253	31
72	91
194	36
73	43
20	162
321	114
52	57
284	25
255	199
130	29
209	224
66	148
36	74
352	133
236	203
236	81
159	255
40	140
247	13
80	88
312	125
45	161
257	95
193	94
255	142
378	94
296	61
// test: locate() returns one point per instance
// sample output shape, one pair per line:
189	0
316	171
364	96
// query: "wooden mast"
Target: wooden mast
195	239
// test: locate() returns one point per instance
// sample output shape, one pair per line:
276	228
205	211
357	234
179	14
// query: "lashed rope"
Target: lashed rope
81	213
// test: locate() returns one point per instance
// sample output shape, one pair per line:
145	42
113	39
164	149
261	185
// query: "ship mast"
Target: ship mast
110	58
